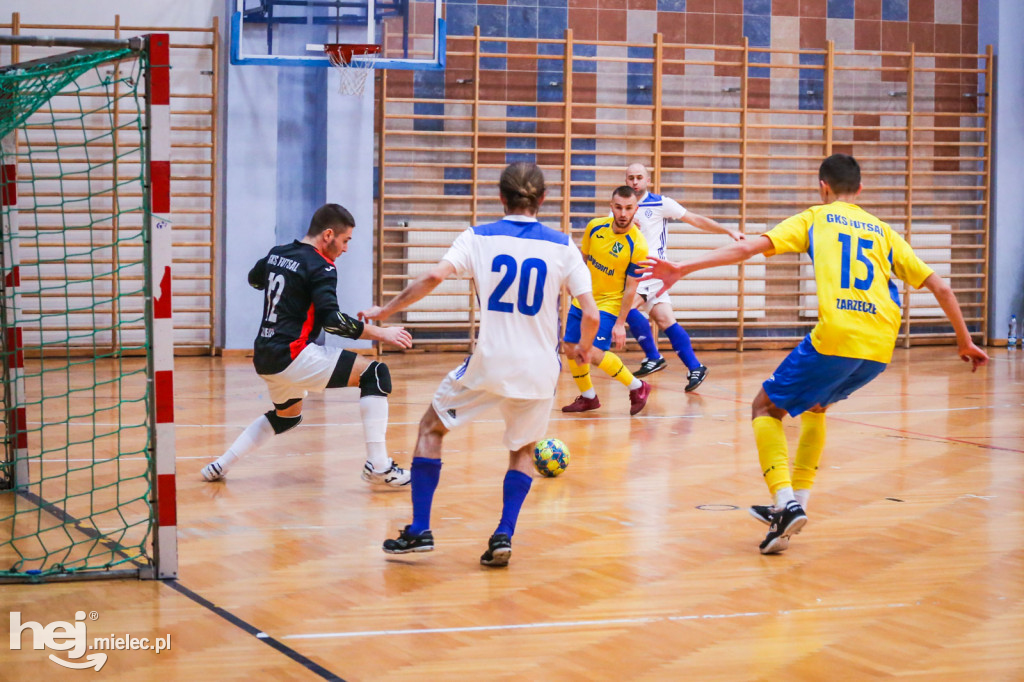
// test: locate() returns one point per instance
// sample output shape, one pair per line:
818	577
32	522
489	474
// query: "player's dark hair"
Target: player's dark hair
841	172
522	186
329	215
626	192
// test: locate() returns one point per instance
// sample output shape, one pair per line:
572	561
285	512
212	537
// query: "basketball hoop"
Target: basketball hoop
354	63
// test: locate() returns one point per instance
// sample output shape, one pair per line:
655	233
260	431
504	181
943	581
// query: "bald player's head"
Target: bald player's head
637	177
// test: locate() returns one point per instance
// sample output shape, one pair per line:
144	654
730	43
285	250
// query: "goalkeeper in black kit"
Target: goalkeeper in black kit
300	282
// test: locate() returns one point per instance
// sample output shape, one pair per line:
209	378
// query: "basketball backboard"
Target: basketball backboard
411	33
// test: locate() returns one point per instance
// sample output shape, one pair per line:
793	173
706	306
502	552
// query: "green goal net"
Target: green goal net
76	480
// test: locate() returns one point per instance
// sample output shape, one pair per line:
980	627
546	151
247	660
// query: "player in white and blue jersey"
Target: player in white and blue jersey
653	215
520	267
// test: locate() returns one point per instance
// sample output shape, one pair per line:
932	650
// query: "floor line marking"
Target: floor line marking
587	623
476	628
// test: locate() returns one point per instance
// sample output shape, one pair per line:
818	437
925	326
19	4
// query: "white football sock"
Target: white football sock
636	384
783	496
374	411
802	497
589	394
254	436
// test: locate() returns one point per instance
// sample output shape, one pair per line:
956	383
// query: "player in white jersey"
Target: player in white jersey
652	215
519	266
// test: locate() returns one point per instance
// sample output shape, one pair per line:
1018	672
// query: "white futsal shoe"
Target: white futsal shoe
213	472
394	476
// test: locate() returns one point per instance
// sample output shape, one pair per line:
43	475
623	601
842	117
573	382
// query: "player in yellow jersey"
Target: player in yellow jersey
854	255
612	249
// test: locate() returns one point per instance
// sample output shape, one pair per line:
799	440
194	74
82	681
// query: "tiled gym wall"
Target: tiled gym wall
932	26
924	155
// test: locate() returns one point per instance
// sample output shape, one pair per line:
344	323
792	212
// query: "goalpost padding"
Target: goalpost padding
88	337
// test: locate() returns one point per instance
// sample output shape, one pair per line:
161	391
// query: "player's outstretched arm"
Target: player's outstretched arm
737	252
340	324
417	289
709	225
947	300
396	336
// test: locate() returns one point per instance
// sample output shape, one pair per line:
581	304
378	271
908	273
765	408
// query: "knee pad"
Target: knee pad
282	424
375	380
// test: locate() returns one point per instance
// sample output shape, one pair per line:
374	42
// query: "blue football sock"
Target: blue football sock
425	474
516	486
682	346
641	330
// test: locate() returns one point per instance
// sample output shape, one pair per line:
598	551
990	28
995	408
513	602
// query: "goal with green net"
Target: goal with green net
87	474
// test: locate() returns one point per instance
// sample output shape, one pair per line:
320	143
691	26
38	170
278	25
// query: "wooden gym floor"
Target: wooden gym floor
639	563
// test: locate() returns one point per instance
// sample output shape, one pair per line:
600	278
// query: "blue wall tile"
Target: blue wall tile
428	85
493	63
758	30
583	175
840	9
493	20
428	109
895	10
643	68
640	76
550	71
457	189
550	66
553	3
640	90
671	5
552	23
522	22
583	190
526	111
521	111
522	3
579	50
760	7
547	92
461	19
584	144
812	94
759	71
725	192
516	157
587	208
812	74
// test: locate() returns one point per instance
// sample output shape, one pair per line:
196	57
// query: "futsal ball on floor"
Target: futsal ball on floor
551	457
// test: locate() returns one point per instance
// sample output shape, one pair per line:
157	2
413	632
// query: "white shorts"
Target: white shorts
310	371
647	291
526	419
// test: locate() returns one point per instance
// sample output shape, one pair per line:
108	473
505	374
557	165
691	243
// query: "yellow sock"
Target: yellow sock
581	375
772	452
613	367
808	449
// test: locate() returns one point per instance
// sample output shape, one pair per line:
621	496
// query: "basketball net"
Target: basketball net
354	64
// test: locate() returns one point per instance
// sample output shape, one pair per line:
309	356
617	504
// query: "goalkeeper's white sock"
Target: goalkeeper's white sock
374	411
254	436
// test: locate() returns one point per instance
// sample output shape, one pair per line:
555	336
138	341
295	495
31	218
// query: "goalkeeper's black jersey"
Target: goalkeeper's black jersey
300	286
